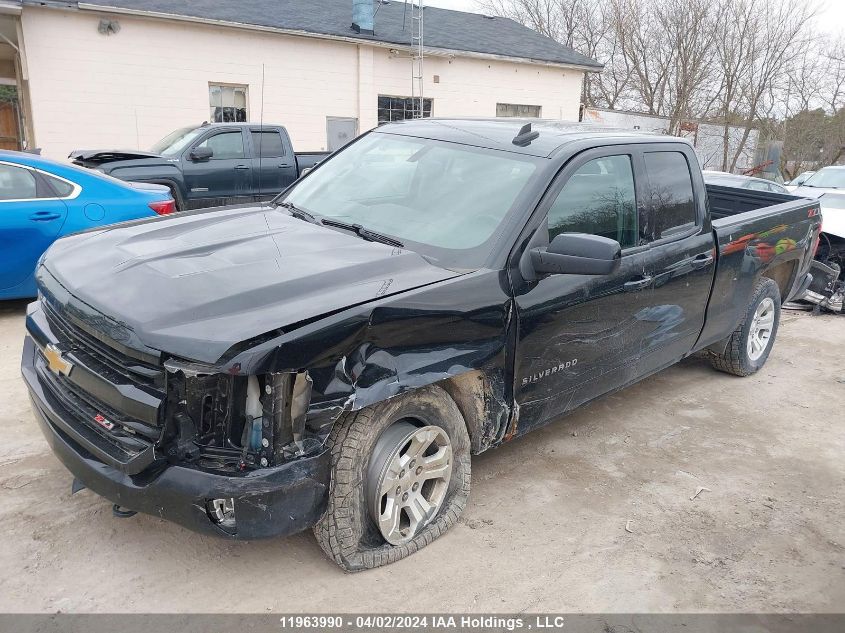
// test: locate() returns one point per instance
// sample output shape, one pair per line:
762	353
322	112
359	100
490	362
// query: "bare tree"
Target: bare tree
584	25
744	64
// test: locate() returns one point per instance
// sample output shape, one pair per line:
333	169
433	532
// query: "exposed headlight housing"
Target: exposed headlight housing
237	422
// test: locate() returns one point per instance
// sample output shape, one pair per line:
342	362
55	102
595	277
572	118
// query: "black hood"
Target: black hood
100	156
195	285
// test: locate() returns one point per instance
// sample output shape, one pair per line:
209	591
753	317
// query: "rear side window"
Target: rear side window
670	189
225	145
267	144
598	199
62	188
17	183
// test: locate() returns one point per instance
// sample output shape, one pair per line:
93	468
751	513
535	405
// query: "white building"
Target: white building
124	73
708	138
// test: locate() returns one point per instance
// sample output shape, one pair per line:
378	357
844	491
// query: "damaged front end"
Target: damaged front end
216	451
231	422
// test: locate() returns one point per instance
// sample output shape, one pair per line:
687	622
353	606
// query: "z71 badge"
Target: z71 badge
551	370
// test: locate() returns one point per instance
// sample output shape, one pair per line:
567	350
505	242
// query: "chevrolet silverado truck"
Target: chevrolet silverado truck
210	164
332	359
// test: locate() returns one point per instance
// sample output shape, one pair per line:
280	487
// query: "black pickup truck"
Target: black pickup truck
210	164
435	289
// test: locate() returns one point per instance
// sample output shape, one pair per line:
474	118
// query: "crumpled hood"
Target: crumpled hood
194	285
100	156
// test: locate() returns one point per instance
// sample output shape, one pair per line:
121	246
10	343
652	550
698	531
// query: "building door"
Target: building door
339	131
9	126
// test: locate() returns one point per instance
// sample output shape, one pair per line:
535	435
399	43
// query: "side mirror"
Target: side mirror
578	254
201	153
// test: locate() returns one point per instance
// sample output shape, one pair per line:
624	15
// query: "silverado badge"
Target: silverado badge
56	362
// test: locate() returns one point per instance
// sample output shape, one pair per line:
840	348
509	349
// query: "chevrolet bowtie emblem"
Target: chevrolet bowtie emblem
55	361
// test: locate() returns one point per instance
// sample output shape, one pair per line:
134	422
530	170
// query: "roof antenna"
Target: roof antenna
524	137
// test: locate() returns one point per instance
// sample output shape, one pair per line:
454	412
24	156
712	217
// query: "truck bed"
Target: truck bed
757	233
726	202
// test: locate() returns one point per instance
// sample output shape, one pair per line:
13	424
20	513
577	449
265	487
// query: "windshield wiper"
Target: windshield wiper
364	232
298	213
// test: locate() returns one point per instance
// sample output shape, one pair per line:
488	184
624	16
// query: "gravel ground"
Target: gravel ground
545	529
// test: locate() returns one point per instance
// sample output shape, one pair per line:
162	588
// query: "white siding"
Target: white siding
129	89
709	141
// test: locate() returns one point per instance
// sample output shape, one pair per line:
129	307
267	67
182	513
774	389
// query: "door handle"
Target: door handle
285	166
702	260
638	284
44	216
241	166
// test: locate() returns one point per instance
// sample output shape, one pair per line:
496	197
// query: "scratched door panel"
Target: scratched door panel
579	336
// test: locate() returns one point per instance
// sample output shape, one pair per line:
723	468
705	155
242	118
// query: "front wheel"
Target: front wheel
400	478
751	342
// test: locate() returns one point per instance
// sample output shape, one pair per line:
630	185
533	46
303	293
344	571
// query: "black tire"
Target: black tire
735	359
346	532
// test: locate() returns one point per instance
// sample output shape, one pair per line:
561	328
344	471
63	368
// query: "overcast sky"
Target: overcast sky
831	18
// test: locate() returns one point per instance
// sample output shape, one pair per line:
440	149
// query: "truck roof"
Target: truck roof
235	124
499	133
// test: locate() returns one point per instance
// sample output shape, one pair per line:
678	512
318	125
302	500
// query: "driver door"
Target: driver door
226	177
580	335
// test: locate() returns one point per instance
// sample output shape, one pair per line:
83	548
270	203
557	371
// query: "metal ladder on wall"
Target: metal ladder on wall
417	30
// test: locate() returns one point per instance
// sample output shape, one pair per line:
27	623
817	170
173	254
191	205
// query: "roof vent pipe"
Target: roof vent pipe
362	16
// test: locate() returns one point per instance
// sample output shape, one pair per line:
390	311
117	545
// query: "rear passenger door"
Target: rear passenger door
683	253
273	164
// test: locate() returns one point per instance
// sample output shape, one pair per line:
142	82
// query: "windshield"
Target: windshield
175	142
832	201
445	200
827	178
801	178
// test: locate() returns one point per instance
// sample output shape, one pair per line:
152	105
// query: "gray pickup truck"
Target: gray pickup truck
437	288
211	164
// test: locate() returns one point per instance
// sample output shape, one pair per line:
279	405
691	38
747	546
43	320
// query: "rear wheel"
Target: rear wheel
400	479
751	342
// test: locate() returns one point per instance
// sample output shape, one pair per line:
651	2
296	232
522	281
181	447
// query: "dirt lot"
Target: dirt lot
545	529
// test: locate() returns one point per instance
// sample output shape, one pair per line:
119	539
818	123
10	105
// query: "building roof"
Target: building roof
444	28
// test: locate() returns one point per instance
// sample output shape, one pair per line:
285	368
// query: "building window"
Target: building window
228	103
514	109
401	108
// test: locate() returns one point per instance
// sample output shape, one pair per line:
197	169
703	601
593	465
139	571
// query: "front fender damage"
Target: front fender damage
363	356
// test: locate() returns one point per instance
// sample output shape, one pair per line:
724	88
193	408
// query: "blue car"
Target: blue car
42	200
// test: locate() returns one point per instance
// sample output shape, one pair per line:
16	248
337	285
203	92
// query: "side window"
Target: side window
670	188
267	144
598	199
17	183
225	145
758	186
62	188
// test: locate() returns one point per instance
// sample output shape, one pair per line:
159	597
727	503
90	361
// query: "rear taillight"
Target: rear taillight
165	207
